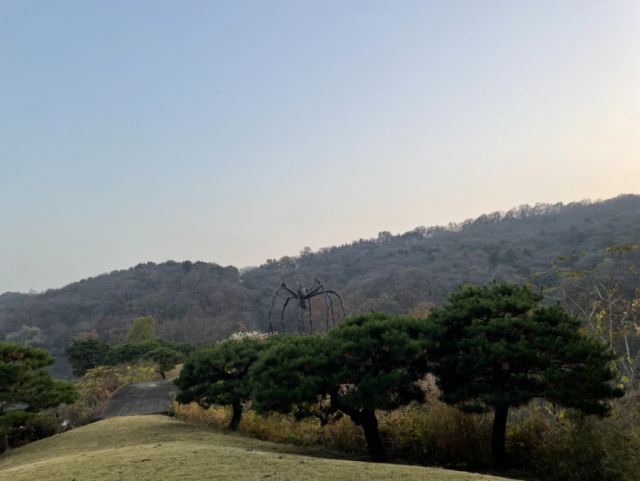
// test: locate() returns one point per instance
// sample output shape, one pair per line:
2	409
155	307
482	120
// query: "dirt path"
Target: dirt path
143	398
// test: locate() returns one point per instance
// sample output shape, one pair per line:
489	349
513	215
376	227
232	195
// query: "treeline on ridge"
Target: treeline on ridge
200	302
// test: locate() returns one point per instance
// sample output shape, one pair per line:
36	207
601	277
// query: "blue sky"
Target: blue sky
233	132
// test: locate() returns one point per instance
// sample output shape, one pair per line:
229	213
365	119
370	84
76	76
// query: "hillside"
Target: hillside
161	448
202	302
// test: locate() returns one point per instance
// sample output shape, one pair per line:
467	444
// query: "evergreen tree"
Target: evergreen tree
165	358
220	375
26	387
500	349
86	354
138	351
368	362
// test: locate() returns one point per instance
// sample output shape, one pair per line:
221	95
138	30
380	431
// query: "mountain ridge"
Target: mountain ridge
203	302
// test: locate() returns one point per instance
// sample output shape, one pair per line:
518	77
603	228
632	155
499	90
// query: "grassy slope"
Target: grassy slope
142	448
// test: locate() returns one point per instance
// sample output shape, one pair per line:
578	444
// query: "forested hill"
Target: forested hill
201	302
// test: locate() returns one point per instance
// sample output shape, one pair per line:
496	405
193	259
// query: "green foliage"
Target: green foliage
23	379
22	427
368	362
288	374
25	386
142	329
165	358
28	335
500	349
86	354
220	374
138	351
377	355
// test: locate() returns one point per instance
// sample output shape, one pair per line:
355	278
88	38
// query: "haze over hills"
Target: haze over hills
202	302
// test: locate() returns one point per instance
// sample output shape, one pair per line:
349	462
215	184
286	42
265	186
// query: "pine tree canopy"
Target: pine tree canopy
25	385
368	362
499	349
165	358
220	374
137	351
86	354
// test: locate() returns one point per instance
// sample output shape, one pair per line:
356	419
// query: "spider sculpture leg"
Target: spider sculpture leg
341	304
333	314
283	287
329	309
283	308
320	289
314	289
311	291
328	293
327	300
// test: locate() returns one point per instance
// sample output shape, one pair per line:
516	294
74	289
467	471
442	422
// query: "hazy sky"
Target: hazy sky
233	132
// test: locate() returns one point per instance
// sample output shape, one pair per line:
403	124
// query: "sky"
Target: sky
237	131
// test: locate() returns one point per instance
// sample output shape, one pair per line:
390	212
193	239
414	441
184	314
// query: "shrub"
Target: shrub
543	444
22	429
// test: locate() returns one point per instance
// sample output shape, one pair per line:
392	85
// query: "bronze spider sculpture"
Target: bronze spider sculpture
302	296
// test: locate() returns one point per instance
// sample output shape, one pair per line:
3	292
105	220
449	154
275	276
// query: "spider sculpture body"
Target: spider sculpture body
302	297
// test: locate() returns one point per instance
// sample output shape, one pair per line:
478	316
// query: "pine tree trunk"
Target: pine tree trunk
3	443
237	415
369	424
498	437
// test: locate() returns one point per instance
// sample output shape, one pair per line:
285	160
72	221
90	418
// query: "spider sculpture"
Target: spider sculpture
302	296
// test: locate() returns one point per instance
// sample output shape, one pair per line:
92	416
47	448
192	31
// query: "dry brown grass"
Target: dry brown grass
434	434
139	448
563	448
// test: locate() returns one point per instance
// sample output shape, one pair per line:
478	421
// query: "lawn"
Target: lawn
154	448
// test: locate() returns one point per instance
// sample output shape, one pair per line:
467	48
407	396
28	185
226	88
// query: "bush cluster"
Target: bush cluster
85	354
550	446
22	428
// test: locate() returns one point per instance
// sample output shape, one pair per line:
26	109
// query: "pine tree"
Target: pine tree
86	354
500	349
368	362
138	351
24	383
165	358
220	375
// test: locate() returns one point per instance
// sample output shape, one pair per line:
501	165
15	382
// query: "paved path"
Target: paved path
143	398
